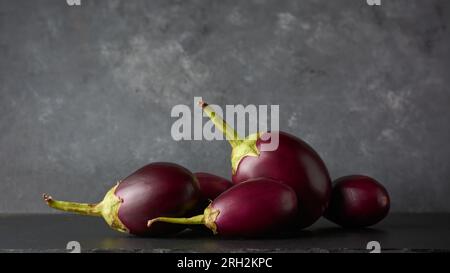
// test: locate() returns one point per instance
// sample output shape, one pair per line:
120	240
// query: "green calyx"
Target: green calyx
240	147
246	148
108	208
208	218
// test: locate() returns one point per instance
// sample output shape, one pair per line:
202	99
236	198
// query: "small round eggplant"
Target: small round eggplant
294	162
256	207
156	189
357	201
211	186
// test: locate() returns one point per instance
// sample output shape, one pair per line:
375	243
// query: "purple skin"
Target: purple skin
211	186
357	201
299	166
294	162
156	189
256	207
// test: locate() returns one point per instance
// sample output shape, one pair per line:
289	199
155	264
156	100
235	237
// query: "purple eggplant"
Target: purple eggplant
294	162
256	207
157	189
211	186
357	201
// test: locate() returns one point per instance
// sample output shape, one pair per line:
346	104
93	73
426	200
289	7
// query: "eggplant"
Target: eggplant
257	207
294	162
357	201
210	186
157	189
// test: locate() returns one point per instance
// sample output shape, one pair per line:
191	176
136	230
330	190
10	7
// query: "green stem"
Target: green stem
229	132
79	208
196	220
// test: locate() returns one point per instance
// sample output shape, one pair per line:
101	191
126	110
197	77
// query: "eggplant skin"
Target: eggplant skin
256	207
357	201
157	189
296	164
211	186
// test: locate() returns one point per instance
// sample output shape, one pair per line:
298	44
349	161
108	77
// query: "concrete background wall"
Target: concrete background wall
86	92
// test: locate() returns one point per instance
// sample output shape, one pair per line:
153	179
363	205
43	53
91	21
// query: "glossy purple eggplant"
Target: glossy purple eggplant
211	186
294	162
154	190
256	207
357	201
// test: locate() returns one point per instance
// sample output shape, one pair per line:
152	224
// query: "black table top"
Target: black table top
51	233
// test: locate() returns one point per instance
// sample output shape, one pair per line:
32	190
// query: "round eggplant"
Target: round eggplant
357	201
294	162
156	189
256	207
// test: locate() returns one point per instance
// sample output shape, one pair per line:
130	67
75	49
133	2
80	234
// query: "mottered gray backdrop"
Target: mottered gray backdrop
86	91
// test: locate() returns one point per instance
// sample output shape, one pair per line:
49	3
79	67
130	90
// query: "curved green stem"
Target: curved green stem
229	132
79	208
196	220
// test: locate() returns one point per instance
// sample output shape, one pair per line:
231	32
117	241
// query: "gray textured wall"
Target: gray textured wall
86	92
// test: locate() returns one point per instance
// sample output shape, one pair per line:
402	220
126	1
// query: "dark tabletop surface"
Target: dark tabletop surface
51	233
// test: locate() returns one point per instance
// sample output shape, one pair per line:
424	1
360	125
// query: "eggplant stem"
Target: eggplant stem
196	220
79	208
229	132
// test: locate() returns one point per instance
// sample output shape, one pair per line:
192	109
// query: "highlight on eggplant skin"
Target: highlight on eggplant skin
156	189
257	207
357	201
